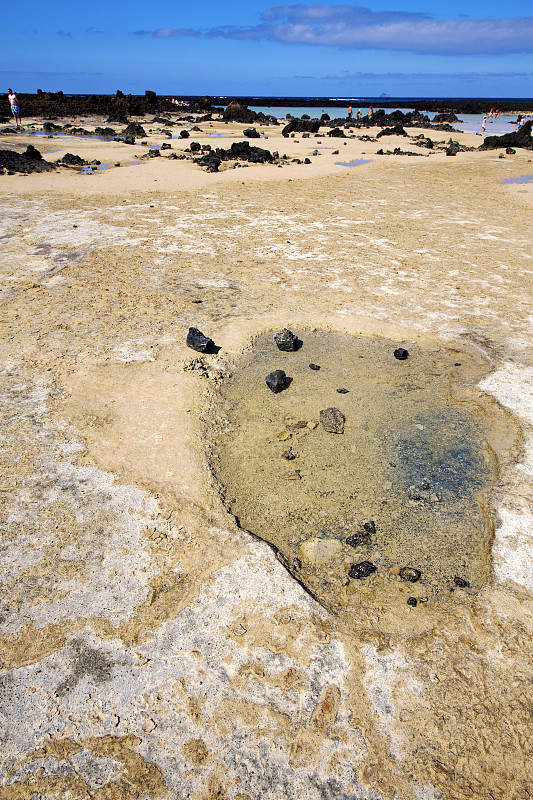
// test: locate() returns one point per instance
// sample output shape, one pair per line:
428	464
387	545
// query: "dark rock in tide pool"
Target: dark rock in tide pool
184	134
286	340
251	133
314	367
332	420
410	574
401	354
362	570
276	381
461	583
445	116
197	341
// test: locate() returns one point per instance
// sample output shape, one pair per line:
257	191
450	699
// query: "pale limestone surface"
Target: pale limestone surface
150	649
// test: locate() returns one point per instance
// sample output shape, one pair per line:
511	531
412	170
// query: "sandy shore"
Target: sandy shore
151	648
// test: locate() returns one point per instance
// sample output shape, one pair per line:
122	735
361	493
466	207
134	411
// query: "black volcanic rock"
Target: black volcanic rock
276	381
362	570
337	132
119	116
520	138
301	126
251	133
239	151
445	116
286	340
197	341
398	130
401	354
29	161
237	112
70	160
134	129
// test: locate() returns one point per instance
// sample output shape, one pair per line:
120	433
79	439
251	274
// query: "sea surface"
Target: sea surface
470	123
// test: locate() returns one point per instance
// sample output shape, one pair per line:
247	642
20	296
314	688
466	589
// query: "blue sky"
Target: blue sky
464	48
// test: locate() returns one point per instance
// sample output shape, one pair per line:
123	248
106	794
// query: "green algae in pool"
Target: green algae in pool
406	485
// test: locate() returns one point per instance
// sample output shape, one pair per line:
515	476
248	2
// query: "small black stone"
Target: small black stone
362	570
410	574
314	366
412	601
457	364
288	455
401	354
359	538
296	563
286	340
343	391
276	381
370	527
461	583
197	341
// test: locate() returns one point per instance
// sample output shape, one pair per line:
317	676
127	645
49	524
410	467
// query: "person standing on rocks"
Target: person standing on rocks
15	108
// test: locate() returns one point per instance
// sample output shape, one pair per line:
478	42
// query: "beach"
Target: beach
152	647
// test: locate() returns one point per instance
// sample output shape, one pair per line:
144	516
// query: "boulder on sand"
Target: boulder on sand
237	112
520	138
29	161
301	126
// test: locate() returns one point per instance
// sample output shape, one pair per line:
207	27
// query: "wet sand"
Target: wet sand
150	647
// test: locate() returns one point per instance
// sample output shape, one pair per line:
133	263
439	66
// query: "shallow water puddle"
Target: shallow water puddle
357	163
395	509
520	179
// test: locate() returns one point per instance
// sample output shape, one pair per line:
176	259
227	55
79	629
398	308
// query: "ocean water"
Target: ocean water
470	123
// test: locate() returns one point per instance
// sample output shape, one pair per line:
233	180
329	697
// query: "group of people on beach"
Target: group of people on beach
358	114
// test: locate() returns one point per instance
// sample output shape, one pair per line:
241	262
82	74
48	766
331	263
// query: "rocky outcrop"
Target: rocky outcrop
297	125
134	129
29	161
445	116
396	131
239	151
520	138
237	112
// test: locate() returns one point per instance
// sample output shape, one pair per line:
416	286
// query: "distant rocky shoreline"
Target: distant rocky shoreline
119	106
